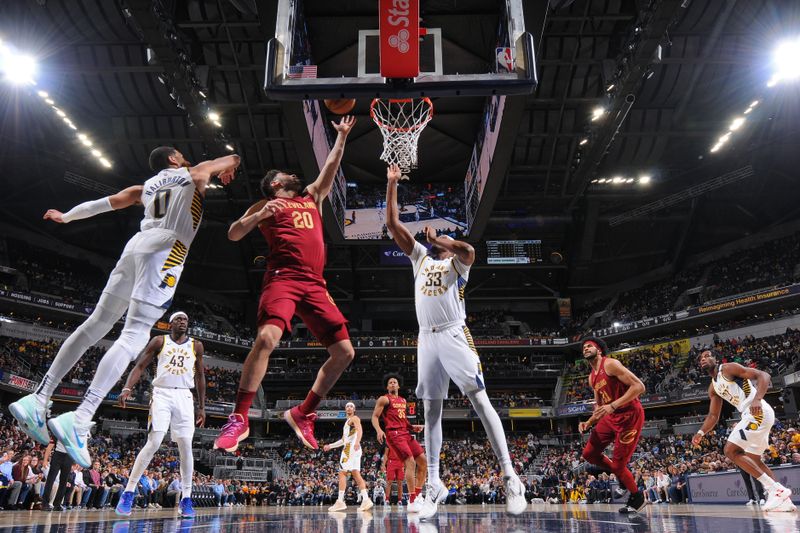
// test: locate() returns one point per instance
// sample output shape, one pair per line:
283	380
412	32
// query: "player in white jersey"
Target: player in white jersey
350	460
142	285
749	439
445	349
179	369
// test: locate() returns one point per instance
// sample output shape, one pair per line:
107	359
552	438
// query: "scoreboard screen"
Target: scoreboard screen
514	252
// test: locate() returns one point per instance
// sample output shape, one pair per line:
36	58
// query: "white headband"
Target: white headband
173	316
349	404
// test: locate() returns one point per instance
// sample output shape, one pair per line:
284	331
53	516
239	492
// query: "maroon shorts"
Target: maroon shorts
286	294
623	429
395	471
403	444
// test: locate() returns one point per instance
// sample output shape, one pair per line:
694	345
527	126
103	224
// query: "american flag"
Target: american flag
302	71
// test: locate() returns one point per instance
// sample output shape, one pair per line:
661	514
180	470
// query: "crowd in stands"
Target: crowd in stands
30	359
662	371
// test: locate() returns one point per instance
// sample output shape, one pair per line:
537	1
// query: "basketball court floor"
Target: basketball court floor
470	518
369	223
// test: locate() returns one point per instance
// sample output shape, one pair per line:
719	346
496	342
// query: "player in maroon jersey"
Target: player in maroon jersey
391	408
619	417
395	471
290	219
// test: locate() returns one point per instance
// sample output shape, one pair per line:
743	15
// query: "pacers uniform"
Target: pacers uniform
751	433
445	349
152	262
172	403
293	282
623	427
351	458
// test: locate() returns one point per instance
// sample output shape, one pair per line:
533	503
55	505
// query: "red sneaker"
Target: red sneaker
234	432
303	426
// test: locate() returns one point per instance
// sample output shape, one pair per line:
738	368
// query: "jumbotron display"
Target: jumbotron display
514	252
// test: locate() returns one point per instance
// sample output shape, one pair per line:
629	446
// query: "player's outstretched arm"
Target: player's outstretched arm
714	409
124	198
380	405
200	383
463	251
333	445
145	358
322	185
224	167
761	378
399	232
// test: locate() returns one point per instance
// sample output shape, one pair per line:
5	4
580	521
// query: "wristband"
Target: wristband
126	389
701	432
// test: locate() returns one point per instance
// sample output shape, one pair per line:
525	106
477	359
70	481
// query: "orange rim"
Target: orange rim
389	127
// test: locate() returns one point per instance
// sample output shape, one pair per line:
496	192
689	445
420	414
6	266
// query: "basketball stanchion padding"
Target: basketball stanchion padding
401	122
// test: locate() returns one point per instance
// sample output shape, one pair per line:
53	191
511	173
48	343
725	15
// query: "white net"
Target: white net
401	122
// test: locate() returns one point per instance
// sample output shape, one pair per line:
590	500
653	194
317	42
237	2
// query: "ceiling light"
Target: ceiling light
716	147
597	112
42	94
217	123
82	136
213	116
583	141
644	180
737	123
97	153
724	138
754	103
629	180
59	112
610	88
617	180
748	110
18	69
785	62
229	147
105	162
595	181
86	142
616	324
201	93
49	101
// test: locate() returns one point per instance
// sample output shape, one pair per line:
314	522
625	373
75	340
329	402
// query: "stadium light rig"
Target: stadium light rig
17	68
641	179
785	62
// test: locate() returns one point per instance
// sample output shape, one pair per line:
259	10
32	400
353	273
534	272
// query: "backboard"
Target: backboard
325	49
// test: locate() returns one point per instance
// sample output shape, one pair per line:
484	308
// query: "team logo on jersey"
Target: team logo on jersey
177	362
436	280
628	437
752	426
168	281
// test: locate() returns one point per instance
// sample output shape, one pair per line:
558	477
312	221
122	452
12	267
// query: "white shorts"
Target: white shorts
149	268
172	409
350	459
445	355
749	434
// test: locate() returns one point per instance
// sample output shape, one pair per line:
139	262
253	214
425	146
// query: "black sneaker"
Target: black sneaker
636	503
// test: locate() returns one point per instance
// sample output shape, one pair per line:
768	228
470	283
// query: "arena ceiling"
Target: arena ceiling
714	60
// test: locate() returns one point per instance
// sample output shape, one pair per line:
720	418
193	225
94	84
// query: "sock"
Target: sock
626	478
244	399
341	495
412	496
310	404
133	339
186	465
109	309
768	482
433	438
143	459
364	494
494	429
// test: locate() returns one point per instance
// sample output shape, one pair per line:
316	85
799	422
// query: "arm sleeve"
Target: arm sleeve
88	209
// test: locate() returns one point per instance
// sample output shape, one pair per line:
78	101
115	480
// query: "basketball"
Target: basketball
340	106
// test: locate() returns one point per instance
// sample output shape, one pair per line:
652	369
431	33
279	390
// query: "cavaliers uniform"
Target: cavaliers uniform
751	433
395	468
397	429
172	403
623	427
445	348
350	458
293	283
152	261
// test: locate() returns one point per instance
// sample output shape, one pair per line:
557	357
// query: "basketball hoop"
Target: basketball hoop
401	122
